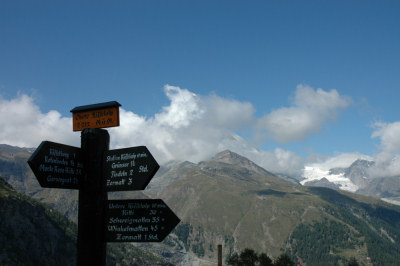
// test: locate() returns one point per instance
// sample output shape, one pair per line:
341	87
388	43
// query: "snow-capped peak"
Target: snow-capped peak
314	173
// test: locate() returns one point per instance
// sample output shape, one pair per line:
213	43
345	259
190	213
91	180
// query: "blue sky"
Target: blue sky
275	59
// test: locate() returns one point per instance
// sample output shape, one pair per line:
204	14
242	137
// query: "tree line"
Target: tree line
248	257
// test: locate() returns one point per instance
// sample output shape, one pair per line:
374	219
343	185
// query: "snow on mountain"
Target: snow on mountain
314	173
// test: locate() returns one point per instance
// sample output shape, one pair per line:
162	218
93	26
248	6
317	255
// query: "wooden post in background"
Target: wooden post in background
219	255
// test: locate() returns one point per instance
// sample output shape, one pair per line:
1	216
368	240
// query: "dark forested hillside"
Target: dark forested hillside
33	234
373	227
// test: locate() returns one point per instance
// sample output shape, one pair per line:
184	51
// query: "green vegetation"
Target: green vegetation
183	231
323	241
31	233
377	224
127	254
283	260
192	238
353	262
249	257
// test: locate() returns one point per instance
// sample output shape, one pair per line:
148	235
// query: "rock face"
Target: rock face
238	160
358	172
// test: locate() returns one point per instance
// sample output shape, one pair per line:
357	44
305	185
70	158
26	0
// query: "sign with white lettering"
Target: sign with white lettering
128	169
138	220
57	165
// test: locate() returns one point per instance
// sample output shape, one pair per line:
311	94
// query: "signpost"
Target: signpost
149	220
57	165
128	169
95	170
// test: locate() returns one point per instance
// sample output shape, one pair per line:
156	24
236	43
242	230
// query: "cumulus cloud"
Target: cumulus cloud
184	108
228	112
24	125
191	127
386	165
309	112
389	134
387	161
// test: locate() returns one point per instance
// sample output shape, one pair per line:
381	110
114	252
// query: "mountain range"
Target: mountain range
230	200
356	178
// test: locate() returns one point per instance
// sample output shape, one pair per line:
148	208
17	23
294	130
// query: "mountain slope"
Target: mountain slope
230	200
234	204
31	234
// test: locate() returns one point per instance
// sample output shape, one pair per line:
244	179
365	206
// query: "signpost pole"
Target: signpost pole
92	199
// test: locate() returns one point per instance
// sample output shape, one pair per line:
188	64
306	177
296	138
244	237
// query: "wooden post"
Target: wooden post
92	198
219	255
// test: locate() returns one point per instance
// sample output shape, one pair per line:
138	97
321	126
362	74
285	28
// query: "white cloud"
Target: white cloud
387	162
24	125
310	111
183	109
386	165
228	113
278	161
192	127
389	134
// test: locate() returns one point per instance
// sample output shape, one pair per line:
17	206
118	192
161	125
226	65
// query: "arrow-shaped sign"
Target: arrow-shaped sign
128	169
57	165
148	220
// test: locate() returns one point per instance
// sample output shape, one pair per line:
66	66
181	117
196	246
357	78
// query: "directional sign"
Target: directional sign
57	165
149	220
128	169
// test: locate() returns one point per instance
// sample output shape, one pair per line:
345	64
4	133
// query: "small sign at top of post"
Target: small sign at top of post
95	116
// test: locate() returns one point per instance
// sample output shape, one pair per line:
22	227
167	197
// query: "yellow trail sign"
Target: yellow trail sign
95	116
